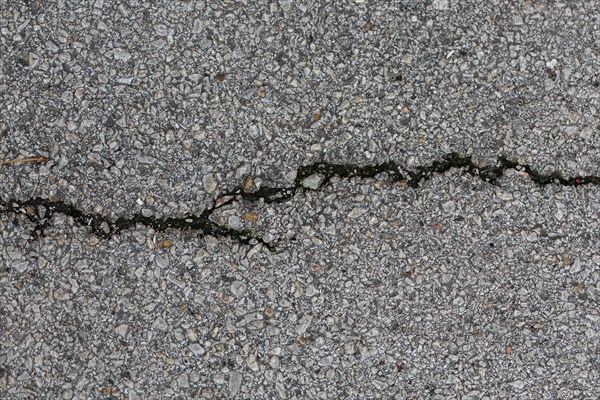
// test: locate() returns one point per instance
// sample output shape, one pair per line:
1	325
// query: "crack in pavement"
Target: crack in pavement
40	211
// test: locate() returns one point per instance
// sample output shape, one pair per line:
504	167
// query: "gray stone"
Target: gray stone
235	382
313	182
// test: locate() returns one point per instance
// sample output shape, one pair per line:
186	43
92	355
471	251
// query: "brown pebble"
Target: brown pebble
268	312
566	260
220	76
250	216
165	243
248	184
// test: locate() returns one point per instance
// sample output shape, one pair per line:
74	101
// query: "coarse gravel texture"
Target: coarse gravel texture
456	288
167	102
368	287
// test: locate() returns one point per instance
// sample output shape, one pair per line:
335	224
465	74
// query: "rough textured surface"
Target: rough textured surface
378	291
179	99
388	201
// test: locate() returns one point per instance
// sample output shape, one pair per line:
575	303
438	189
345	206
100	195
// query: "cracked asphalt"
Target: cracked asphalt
300	200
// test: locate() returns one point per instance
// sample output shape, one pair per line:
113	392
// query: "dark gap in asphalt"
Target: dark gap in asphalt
40	211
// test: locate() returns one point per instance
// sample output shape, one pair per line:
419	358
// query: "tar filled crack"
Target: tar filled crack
40	211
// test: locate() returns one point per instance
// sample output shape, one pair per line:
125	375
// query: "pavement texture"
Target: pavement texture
300	200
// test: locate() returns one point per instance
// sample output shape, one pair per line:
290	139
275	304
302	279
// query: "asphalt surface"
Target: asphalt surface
300	200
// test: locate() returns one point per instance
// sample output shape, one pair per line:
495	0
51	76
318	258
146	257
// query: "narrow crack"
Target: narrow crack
40	211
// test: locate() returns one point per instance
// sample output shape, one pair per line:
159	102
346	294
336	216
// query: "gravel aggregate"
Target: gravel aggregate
379	292
168	102
299	200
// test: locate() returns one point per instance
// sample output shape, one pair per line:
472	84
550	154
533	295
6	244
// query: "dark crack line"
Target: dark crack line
490	174
40	211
